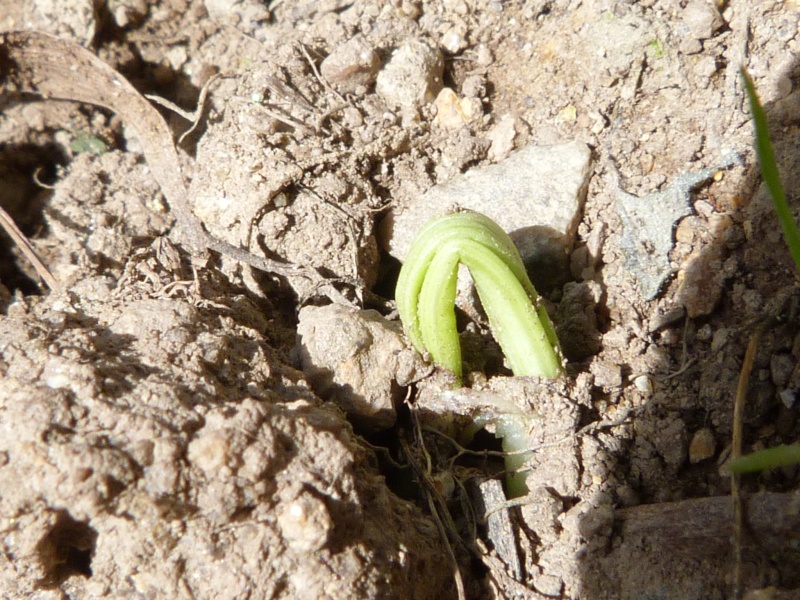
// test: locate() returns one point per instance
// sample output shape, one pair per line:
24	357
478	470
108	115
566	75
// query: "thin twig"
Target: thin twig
436	504
286	120
20	240
456	571
38	180
680	371
685	363
736	451
433	498
385	451
193	117
319	77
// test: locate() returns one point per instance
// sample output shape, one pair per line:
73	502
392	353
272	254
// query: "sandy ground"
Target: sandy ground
164	432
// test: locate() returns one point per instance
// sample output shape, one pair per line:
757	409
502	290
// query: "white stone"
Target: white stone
412	77
536	195
453	112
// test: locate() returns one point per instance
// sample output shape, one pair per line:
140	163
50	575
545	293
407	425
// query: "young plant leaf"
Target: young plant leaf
771	458
769	171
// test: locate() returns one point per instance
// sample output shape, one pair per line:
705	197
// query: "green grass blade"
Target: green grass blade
769	171
771	458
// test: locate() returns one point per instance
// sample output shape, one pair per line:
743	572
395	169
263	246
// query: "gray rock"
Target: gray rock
648	224
412	77
781	367
351	65
536	195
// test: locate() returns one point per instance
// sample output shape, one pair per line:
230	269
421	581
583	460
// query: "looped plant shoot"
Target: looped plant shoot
426	294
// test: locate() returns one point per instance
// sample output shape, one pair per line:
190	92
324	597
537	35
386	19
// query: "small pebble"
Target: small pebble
702	445
788	397
411	9
704	209
413	76
128	13
706	67
781	367
351	65
704	333
702	18
719	339
352	117
473	86
305	523
568	114
502	137
548	584
485	56
627	496
579	263
460	7
606	374
703	282
689	45
595	243
453	112
685	231
760	400
643	384
453	41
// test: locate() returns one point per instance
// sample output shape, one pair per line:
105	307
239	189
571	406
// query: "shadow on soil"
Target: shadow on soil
674	538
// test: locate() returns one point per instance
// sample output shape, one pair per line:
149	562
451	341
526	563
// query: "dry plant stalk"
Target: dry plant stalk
736	452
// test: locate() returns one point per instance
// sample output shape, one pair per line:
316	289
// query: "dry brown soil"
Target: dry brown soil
158	438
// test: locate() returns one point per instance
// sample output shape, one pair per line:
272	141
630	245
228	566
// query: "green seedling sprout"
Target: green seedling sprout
86	142
426	294
782	455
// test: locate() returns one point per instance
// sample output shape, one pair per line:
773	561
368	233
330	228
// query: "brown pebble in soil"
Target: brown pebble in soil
702	445
702	282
